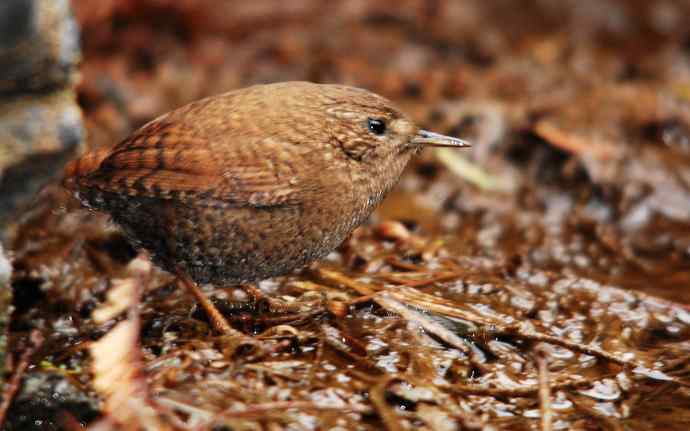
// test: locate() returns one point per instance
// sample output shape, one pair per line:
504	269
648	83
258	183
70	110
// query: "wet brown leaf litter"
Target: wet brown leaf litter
538	281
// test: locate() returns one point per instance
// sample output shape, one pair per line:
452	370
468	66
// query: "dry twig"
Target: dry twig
544	391
12	386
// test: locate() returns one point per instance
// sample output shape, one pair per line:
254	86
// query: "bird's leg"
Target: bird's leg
217	319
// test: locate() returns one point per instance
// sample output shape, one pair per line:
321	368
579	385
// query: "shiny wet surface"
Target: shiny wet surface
569	246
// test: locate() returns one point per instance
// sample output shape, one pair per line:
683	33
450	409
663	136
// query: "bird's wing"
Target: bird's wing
163	162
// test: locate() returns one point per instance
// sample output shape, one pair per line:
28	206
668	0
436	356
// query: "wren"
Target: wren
253	183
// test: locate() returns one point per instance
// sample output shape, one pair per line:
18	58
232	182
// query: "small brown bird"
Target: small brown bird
253	183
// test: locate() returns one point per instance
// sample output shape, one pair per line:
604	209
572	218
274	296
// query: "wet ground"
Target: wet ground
537	281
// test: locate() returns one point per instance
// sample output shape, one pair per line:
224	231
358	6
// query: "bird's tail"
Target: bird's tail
78	169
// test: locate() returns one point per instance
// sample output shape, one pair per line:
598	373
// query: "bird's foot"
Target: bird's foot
273	305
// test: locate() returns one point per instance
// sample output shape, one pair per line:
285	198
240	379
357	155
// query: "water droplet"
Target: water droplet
606	390
652	374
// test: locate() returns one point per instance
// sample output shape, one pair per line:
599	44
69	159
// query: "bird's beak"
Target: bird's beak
432	139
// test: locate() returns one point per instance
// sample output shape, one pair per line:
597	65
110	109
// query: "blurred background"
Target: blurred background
579	112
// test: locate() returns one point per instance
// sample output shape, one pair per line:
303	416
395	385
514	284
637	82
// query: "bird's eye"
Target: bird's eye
377	127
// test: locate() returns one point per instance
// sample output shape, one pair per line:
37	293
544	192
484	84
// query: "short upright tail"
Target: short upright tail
78	169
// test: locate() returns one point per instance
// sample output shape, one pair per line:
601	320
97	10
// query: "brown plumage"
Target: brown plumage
252	183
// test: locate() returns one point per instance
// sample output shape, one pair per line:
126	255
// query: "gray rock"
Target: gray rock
5	308
40	122
38	135
39	45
